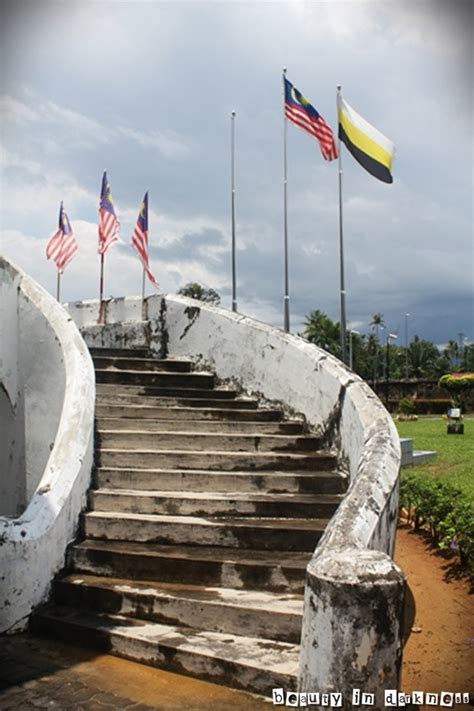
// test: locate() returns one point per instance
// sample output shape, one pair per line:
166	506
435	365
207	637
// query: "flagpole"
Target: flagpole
285	212
232	170
101	289
341	248
58	286
143	295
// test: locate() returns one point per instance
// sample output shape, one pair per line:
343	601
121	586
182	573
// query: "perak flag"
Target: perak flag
140	240
108	224
62	246
300	112
370	148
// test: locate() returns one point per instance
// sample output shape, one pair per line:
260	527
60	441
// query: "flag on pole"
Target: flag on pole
374	151
108	224
140	240
300	112
62	246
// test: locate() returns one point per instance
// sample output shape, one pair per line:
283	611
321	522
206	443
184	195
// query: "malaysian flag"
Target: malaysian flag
108	224
62	246
300	112
140	239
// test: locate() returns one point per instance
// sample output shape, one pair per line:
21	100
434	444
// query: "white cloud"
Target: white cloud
50	121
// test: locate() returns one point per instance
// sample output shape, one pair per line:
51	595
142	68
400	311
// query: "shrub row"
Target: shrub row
444	509
421	406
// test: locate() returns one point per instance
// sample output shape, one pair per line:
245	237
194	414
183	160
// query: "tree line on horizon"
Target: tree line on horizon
370	358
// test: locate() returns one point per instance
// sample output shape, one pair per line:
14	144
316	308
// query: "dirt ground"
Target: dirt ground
439	654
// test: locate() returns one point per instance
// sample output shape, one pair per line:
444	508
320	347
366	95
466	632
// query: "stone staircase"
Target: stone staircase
205	510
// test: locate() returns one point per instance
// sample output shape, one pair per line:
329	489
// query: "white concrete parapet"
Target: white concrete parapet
47	399
354	592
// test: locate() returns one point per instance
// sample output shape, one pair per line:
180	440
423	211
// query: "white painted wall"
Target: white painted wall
46	367
12	430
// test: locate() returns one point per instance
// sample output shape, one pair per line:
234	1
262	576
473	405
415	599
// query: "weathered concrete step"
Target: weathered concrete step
120	352
247	663
197	425
202	480
103	362
143	412
222	461
204	442
213	504
216	399
152	379
280	570
267	614
262	533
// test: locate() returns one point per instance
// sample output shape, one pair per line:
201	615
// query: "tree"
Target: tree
452	352
376	323
323	332
467	363
422	358
194	290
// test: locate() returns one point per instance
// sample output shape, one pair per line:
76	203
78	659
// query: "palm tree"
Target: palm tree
376	323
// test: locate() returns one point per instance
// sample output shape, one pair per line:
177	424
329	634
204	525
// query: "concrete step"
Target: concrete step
249	532
120	352
267	614
214	399
197	425
104	362
156	379
202	480
211	566
212	504
144	411
247	663
221	461
204	442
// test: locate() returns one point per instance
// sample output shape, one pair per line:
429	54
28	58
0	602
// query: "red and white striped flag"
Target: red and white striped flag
300	112
109	226
62	246
140	240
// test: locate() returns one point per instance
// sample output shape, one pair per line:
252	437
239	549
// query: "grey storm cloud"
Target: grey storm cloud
156	114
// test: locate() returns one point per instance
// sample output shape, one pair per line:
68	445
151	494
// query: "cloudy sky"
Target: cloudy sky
145	89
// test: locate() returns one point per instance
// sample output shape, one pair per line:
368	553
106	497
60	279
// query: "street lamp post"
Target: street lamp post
387	367
406	346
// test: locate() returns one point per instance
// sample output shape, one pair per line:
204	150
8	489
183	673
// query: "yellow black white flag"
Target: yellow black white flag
370	148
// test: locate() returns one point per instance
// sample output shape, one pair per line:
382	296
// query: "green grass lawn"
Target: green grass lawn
455	458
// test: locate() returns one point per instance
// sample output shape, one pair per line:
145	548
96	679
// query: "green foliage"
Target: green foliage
458	384
406	406
194	290
323	332
444	508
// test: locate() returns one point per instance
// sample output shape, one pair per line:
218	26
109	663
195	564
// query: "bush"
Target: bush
458	384
406	406
442	507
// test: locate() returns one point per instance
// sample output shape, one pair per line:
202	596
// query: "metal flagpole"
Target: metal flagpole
232	170
101	289
341	247
58	286
143	295
285	212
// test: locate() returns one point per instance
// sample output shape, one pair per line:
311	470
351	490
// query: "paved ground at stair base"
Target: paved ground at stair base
37	673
